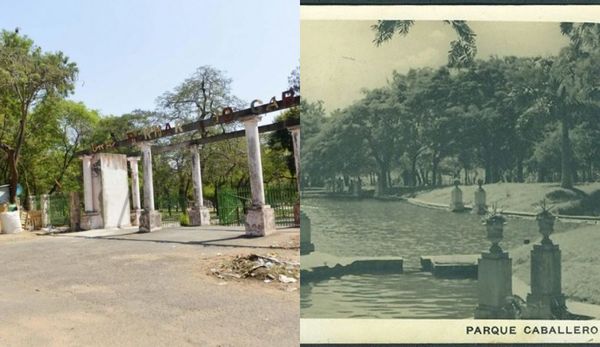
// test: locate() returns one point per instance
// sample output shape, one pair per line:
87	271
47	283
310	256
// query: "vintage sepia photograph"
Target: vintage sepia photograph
450	170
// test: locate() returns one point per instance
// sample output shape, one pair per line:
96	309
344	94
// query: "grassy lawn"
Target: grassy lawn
580	259
523	196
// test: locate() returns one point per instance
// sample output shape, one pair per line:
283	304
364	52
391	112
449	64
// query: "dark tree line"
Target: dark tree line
509	119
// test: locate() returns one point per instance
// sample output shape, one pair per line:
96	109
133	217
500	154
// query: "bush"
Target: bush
184	220
571	208
561	195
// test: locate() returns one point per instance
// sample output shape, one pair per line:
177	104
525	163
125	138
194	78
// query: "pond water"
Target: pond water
367	228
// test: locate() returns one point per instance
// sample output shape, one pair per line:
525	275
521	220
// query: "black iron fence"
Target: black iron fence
233	202
58	208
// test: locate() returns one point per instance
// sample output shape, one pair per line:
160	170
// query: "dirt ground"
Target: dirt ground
126	289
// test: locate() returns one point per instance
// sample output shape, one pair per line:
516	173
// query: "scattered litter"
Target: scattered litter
266	268
285	279
222	283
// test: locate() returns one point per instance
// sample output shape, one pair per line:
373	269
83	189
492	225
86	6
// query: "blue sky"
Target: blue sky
130	52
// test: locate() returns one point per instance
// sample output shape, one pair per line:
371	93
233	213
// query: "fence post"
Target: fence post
31	202
45	207
74	211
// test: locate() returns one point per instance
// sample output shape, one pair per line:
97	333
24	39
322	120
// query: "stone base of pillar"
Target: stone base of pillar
457	206
546	300
91	220
479	209
494	285
297	214
135	217
490	312
150	221
546	307
260	221
307	248
199	216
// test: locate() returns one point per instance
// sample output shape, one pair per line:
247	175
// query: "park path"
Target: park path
127	289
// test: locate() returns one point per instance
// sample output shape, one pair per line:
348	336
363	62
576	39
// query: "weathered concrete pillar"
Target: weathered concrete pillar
91	218
74	211
306	245
479	203
546	300
87	184
295	132
150	219
494	274
260	219
136	210
456	201
45	208
199	215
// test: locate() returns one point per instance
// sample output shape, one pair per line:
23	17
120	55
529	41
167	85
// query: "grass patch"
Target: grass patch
580	259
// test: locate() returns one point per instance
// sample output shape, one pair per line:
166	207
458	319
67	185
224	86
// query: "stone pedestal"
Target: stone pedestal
260	221
546	300
199	216
135	214
306	245
479	203
456	200
91	220
494	285
150	221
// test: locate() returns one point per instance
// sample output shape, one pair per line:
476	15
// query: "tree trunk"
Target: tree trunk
382	181
566	178
434	171
413	171
520	177
14	177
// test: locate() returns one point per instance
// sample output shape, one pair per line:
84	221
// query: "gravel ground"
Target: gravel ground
141	290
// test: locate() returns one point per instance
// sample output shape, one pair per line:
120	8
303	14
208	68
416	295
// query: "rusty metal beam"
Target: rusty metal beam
157	132
221	137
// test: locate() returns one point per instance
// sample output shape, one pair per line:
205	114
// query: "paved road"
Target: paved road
141	290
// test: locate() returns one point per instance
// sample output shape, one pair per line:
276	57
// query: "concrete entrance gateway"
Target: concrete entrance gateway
105	176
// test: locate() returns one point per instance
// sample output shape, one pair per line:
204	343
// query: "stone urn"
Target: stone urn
494	226
545	221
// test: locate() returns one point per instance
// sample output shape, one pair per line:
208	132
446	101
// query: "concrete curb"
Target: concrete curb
574	219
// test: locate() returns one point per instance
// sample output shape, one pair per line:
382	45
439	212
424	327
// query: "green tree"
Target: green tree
69	128
27	76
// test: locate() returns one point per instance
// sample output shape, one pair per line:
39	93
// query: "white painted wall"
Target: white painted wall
115	190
